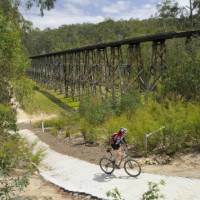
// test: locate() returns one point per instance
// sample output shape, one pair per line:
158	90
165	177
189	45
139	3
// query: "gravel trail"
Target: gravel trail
80	176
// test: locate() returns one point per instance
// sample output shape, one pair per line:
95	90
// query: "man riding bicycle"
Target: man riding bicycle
117	140
110	162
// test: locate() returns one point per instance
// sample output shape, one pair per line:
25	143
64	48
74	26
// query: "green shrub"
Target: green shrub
54	132
88	131
183	71
129	102
153	192
58	123
114	194
181	123
66	124
7	118
17	164
95	110
146	114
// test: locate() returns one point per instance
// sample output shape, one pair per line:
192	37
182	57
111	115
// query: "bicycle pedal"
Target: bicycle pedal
117	166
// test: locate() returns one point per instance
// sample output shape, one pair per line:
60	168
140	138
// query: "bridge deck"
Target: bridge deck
135	40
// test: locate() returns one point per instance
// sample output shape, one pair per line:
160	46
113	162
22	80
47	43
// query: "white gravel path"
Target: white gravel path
77	175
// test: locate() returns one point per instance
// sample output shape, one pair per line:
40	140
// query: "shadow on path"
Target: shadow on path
101	177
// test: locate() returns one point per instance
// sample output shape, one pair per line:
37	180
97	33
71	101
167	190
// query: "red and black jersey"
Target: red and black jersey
117	138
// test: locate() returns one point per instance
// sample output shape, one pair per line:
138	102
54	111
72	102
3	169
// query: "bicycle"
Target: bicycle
131	166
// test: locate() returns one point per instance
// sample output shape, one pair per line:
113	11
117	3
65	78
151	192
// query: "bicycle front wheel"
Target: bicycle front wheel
107	165
132	168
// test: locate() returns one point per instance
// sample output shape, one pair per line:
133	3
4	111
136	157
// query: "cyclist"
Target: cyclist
116	140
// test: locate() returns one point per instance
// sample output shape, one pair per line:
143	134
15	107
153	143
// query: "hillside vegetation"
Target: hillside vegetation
73	36
174	104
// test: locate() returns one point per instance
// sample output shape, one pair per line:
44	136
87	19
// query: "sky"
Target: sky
91	11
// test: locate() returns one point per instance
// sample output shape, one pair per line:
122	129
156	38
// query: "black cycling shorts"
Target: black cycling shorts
115	146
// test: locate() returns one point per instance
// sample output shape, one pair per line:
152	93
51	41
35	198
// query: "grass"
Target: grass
68	124
49	102
35	98
40	103
67	101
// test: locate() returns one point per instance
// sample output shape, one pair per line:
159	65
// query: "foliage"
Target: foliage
23	89
15	154
73	36
58	123
174	104
168	8
13	5
182	75
12	59
7	119
66	124
63	121
88	131
153	192
129	102
94	109
42	5
114	194
181	121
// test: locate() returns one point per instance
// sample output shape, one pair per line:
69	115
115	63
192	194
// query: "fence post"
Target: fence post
147	135
42	122
145	144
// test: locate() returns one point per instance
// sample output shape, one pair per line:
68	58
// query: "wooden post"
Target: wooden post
146	144
42	116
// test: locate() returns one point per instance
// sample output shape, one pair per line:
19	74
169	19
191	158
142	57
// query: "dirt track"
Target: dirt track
80	176
181	165
40	189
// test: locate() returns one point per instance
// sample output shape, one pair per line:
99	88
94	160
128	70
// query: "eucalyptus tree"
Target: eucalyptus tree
14	152
168	9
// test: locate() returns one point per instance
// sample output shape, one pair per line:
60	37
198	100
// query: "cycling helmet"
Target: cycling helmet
123	130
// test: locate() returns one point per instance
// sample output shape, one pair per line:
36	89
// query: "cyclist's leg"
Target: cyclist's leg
119	156
117	152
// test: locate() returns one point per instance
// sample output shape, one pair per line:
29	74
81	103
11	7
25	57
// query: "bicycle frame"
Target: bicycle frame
124	157
129	163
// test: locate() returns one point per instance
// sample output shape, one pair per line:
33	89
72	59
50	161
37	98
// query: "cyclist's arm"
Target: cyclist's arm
124	141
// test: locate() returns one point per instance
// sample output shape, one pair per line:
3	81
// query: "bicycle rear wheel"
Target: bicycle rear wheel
132	168
107	165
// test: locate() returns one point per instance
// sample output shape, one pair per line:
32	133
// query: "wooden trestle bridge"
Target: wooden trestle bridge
106	68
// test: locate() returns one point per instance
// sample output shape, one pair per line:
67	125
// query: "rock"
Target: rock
88	197
150	161
163	159
156	160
